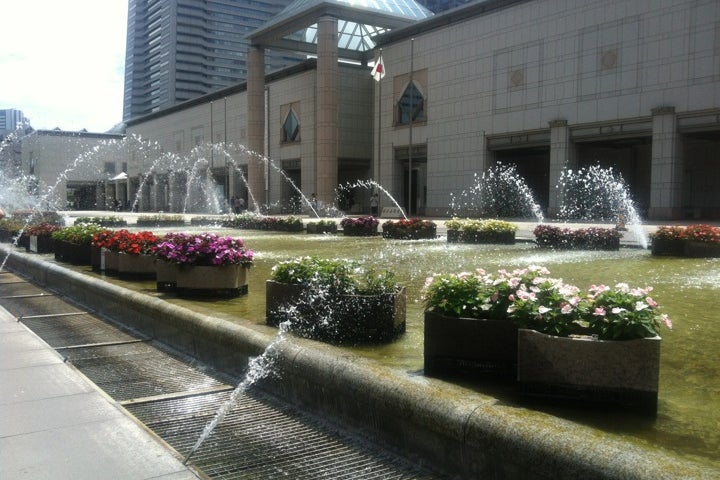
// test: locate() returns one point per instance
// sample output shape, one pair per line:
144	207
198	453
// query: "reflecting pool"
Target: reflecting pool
688	420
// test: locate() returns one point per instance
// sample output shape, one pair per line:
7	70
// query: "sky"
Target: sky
62	62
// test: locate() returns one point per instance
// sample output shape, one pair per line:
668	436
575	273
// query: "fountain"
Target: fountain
687	422
499	192
258	368
373	185
598	194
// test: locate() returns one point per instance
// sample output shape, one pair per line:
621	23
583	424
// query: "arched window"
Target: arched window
411	106
291	128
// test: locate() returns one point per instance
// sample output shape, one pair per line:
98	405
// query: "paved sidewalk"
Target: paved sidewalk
57	425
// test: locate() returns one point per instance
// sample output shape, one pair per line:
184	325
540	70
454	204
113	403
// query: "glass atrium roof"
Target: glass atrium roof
295	28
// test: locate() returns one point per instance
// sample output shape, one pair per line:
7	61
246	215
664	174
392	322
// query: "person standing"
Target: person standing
374	204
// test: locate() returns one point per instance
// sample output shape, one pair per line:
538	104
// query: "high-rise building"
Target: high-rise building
181	49
10	120
439	6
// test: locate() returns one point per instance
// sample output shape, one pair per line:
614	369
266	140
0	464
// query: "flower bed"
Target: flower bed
480	231
40	237
335	300
359	226
107	221
409	229
130	254
209	265
321	227
591	238
73	244
10	228
695	241
252	221
530	299
160	221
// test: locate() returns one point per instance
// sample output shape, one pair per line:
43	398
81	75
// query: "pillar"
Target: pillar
256	125
327	110
562	156
666	170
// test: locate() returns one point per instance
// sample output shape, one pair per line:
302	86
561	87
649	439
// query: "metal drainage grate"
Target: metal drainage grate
263	439
138	370
18	288
67	330
260	438
40	304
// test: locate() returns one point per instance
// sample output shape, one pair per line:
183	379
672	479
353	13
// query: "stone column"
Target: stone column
562	156
666	171
157	197
327	111
256	124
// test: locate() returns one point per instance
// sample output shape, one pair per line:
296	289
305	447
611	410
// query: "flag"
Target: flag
378	71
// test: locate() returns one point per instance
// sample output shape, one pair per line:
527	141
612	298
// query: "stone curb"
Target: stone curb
431	420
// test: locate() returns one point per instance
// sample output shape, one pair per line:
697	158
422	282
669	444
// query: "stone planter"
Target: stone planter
469	347
335	318
73	253
623	373
103	260
135	267
459	236
166	275
211	281
693	249
667	246
314	228
24	242
41	244
353	231
6	236
400	234
109	262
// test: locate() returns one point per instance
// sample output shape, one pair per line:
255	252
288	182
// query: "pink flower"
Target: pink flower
543	310
666	320
651	302
599	312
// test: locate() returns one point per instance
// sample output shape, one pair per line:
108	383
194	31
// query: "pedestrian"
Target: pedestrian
374	204
313	202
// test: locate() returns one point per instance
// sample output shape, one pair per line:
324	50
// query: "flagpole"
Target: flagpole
379	160
378	72
410	140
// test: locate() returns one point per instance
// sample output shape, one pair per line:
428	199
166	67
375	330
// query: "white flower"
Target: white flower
640	306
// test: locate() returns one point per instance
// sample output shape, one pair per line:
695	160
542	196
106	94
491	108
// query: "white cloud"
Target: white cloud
62	62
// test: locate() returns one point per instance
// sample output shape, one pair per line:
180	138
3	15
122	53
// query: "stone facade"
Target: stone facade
541	84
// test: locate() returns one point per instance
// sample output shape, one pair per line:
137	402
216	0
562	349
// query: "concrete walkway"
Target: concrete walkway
56	424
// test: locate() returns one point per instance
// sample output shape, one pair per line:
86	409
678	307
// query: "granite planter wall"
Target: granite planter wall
211	281
623	372
469	347
335	318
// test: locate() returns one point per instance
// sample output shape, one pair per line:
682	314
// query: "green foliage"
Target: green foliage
105	221
324	223
533	300
160	219
336	276
80	234
12	225
490	226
